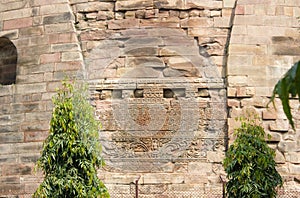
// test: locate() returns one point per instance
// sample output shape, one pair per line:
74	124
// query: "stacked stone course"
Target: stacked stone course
262	47
46	43
99	19
230	52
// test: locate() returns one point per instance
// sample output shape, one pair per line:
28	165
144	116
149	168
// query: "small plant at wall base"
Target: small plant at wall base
250	164
71	153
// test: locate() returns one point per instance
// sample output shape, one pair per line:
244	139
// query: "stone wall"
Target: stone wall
47	48
168	78
264	44
156	70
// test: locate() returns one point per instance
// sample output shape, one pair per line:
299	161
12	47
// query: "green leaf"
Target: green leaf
297	80
250	165
286	86
69	152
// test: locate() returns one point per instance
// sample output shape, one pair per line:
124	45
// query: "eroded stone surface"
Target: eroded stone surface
149	59
157	108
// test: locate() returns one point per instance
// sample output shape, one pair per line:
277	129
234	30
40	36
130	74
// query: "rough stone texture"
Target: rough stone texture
25	105
263	47
157	71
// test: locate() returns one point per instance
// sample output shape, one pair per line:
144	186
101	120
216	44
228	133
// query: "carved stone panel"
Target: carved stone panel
164	105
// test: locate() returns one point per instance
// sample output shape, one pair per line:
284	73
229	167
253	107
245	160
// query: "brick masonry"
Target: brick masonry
223	56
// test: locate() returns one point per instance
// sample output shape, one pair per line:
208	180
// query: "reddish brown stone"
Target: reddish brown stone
240	10
50	58
133	5
123	24
36	136
17	23
94	35
16	169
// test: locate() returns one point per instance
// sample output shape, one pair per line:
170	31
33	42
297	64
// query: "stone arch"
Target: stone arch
8	61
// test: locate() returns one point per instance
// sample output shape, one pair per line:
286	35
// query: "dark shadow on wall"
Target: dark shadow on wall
8	61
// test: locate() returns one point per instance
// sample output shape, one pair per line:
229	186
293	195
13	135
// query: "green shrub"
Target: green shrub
250	164
71	153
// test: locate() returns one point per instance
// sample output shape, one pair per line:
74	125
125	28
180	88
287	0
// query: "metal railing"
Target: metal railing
142	191
135	190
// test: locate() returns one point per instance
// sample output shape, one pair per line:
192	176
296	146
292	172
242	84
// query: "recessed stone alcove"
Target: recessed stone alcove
8	61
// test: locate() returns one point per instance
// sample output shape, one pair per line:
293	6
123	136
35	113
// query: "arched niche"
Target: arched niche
8	61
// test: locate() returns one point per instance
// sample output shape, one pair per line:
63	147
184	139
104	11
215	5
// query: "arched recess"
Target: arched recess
8	61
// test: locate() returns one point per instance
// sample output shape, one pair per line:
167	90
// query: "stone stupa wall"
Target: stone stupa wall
167	80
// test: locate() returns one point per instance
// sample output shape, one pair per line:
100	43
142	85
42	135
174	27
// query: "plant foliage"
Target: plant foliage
286	86
250	164
71	153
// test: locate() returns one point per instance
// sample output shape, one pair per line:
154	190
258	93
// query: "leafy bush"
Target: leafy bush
250	164
71	153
